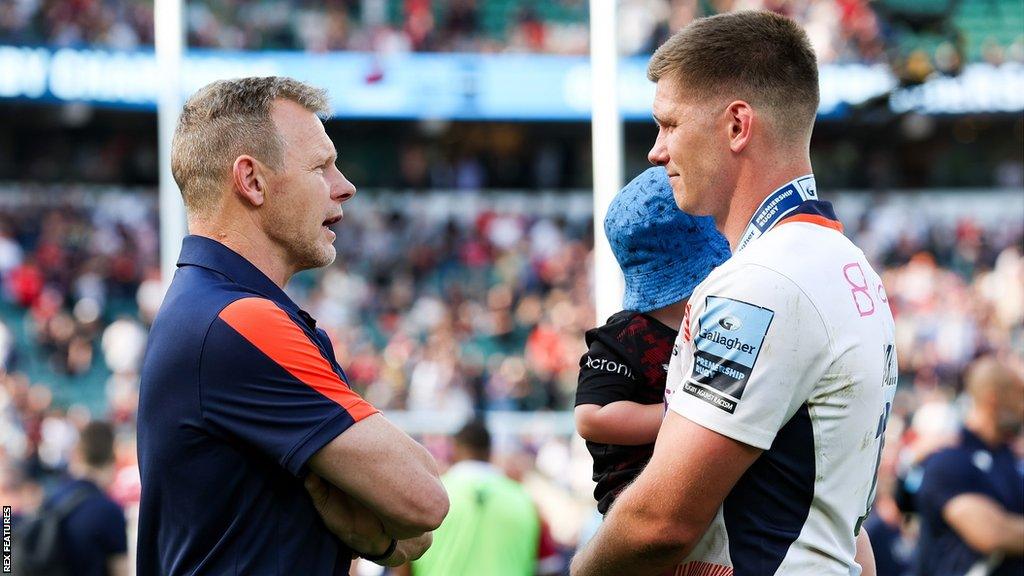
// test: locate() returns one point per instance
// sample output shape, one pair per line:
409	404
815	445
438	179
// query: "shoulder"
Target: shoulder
96	509
615	323
250	314
105	509
948	455
948	472
749	280
796	246
610	334
629	325
192	303
746	303
249	323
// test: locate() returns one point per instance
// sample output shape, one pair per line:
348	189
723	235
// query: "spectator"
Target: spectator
94	535
492	527
971	498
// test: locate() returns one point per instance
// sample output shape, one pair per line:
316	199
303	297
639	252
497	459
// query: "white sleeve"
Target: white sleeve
758	348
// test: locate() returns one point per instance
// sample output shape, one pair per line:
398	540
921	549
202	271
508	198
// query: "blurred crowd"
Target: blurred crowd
841	30
438	306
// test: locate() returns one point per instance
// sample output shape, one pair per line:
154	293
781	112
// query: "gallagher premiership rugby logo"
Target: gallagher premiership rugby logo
729	337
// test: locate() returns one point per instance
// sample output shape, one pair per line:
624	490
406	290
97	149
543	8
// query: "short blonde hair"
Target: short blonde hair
757	56
226	119
989	373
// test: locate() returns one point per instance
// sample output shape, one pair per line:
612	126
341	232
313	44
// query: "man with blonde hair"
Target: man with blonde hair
256	456
783	373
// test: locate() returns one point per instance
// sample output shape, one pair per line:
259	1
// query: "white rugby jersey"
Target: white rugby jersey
788	347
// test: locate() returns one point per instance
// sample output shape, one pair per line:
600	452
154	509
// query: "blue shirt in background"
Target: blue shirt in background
93	532
969	467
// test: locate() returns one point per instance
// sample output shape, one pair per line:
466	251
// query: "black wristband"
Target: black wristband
384	556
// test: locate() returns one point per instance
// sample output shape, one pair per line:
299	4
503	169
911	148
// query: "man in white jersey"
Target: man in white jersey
783	373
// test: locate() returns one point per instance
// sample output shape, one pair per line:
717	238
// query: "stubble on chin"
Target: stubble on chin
321	256
313	255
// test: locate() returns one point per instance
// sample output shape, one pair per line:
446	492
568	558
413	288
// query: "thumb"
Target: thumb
317	488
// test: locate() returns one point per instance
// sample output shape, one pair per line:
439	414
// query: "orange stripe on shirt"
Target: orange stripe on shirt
273	333
813	219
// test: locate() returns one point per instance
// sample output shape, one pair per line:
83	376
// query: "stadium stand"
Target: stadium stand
842	30
463	280
444	303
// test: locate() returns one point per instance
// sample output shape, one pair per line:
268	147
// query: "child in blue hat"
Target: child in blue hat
663	253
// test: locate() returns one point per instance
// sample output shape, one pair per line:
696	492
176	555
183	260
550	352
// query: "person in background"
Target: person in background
94	534
492	526
971	497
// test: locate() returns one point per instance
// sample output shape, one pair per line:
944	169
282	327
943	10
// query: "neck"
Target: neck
671	315
754	184
459	459
101	477
984	428
251	244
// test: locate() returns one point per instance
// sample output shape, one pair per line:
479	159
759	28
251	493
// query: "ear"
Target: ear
740	118
248	178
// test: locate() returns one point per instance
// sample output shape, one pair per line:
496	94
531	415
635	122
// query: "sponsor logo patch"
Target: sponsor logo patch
726	351
730	323
607	365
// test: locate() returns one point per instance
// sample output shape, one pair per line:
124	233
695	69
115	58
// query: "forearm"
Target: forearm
347	518
1004	533
629	543
1013	535
984	525
624	423
396	477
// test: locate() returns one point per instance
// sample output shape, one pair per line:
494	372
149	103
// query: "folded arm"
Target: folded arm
389	473
985	525
356	526
624	423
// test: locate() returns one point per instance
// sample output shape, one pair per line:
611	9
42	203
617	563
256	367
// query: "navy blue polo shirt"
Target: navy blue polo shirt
969	467
94	531
893	554
238	390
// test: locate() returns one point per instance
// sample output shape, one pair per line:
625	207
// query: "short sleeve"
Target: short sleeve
752	356
265	383
944	477
605	375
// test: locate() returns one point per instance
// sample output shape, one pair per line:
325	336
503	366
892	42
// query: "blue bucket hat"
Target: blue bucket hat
663	252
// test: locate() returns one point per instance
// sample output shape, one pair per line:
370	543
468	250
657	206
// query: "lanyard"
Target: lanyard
777	205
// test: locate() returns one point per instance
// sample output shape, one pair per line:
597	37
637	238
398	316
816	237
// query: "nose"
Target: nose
342	190
658	154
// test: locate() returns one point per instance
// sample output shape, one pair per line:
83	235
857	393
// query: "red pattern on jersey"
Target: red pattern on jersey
703	569
686	324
